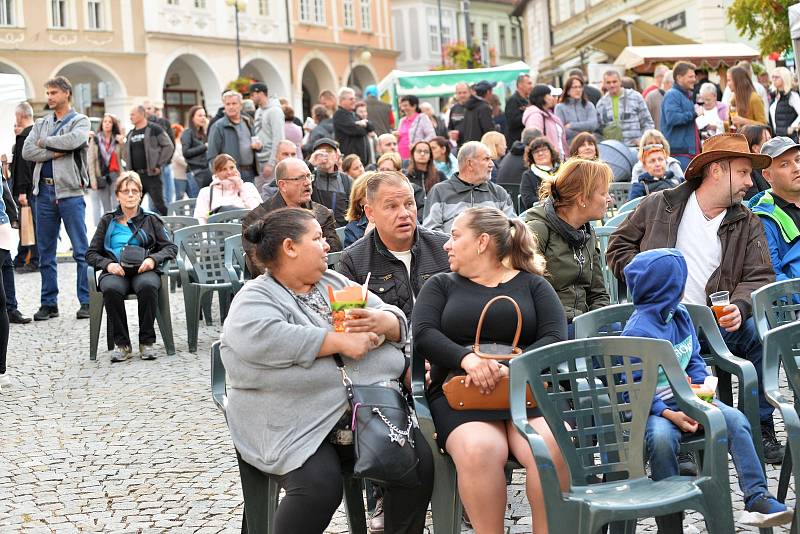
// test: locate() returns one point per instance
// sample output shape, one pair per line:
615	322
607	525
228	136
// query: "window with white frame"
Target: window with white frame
172	2
58	13
514	43
484	33
7	17
349	14
501	36
263	8
200	4
447	28
433	31
366	16
94	14
312	11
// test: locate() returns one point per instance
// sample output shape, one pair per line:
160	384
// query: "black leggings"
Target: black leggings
314	492
3	320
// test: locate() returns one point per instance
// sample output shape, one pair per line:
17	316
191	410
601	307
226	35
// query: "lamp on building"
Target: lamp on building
364	57
237	5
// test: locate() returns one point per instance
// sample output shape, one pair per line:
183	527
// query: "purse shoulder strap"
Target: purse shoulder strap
516	334
133	235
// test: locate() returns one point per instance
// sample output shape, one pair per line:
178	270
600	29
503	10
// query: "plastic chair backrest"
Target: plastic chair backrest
612	441
333	259
619	192
183	207
617	219
204	247
176	222
781	347
630	205
218	389
607	321
230	216
234	258
776	304
340	234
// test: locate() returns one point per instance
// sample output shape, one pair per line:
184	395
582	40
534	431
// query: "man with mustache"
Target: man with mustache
294	180
722	241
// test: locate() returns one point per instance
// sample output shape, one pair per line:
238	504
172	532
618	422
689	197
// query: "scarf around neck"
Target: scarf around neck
106	150
576	238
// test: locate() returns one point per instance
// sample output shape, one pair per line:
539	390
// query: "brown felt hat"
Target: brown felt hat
725	146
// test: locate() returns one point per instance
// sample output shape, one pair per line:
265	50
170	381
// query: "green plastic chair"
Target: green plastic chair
603	233
446	509
163	316
230	216
172	223
780	348
234	262
183	207
630	205
261	493
619	192
598	323
513	192
340	234
611	444
201	262
333	260
617	219
775	304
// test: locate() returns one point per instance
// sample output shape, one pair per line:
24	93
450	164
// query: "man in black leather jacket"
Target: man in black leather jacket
400	254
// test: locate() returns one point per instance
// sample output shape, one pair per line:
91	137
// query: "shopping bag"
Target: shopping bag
27	235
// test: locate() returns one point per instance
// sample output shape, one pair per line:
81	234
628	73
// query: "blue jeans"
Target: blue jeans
662	441
169	184
746	344
248	176
186	187
49	216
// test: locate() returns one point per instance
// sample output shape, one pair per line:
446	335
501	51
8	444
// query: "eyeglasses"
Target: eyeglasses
134	192
541	149
305	178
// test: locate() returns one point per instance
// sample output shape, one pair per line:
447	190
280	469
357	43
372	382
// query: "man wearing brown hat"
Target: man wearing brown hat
723	243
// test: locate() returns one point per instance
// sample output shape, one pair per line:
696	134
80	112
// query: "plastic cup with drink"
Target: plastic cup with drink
344	299
719	300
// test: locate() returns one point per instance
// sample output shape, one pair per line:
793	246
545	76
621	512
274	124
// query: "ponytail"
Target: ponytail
514	243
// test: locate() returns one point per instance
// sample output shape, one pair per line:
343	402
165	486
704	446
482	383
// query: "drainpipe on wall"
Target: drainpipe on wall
289	42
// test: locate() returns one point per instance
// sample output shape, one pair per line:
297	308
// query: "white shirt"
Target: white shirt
700	245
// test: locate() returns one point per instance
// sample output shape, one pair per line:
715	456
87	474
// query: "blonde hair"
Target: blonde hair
575	181
652	137
514	243
491	140
394	157
786	76
126	177
358	192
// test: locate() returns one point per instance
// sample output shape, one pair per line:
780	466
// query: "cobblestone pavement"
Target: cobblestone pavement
137	446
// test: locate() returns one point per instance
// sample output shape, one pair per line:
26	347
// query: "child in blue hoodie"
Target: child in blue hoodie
657	279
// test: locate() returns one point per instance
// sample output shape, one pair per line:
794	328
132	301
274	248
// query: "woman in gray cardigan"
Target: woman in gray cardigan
575	110
286	402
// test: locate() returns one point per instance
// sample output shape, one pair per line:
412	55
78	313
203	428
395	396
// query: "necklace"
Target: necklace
701	208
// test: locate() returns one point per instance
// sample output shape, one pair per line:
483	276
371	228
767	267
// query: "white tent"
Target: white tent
12	92
710	55
794	31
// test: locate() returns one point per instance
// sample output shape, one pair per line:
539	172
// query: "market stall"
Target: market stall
712	56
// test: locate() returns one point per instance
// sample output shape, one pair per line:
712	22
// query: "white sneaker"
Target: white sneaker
5	380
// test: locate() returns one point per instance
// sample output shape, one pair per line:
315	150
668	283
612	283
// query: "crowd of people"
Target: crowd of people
439	213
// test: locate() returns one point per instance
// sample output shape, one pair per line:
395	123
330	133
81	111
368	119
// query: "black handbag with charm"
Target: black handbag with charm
383	433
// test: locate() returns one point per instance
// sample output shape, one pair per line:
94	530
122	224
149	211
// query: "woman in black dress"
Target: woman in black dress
489	255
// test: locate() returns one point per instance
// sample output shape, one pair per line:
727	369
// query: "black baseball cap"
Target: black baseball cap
483	87
325	141
259	87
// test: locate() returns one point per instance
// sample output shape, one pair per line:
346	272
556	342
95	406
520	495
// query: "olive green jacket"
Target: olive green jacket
579	287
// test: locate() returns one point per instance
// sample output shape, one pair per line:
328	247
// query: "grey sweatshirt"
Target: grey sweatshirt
283	401
446	200
69	180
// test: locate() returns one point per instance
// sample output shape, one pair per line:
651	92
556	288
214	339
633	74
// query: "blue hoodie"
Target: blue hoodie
657	279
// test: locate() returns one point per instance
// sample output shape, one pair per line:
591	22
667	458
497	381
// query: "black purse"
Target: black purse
132	256
383	431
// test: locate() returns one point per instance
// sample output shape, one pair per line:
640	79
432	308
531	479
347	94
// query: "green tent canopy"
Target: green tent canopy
442	82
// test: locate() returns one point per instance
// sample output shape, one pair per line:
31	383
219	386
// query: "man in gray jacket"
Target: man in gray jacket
147	149
469	187
233	135
622	112
57	143
268	126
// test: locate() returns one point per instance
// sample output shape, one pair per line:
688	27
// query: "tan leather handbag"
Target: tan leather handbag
460	397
